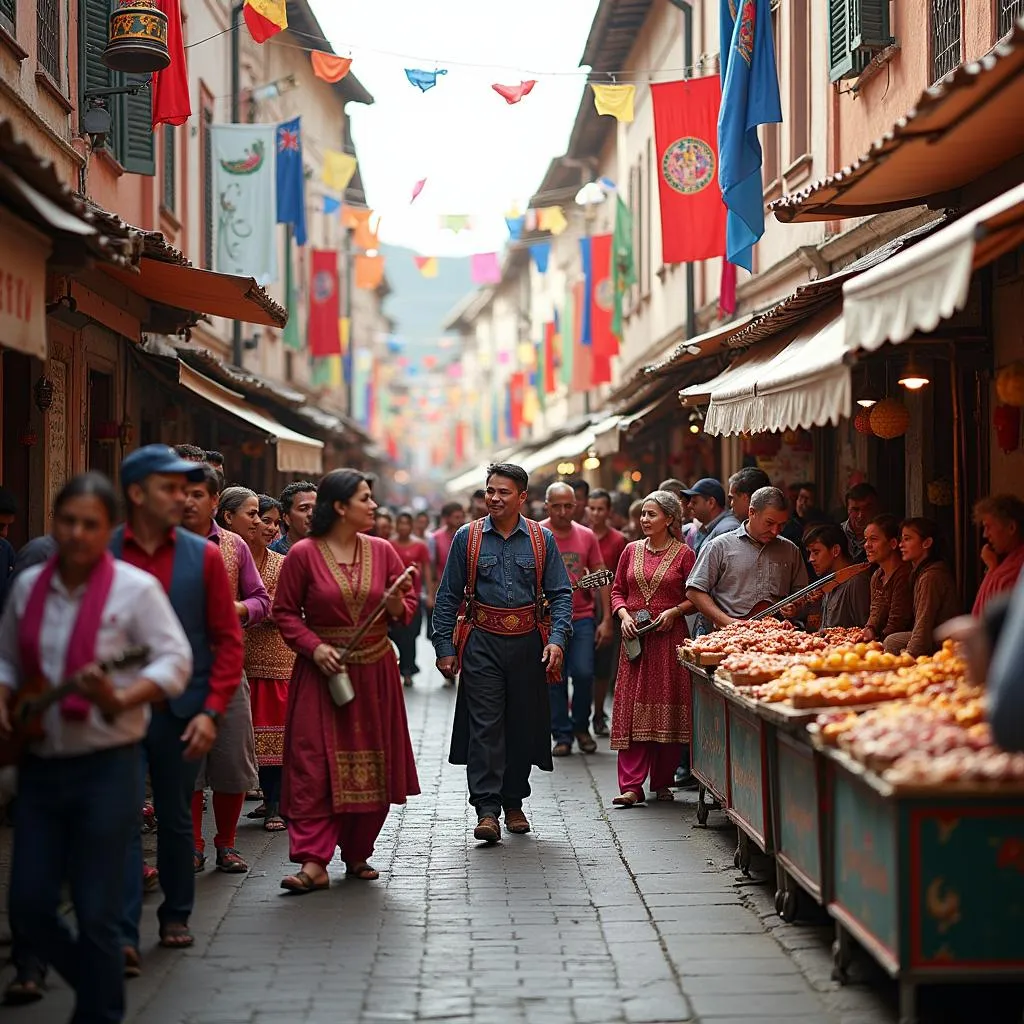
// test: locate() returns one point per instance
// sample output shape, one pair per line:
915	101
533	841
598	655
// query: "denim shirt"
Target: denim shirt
506	577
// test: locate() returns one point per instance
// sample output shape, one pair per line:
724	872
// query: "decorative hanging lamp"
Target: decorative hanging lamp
137	38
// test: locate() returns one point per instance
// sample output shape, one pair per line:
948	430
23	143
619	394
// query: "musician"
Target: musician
502	712
80	785
750	566
849	603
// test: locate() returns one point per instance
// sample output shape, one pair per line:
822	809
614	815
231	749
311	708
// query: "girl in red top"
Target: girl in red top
411	551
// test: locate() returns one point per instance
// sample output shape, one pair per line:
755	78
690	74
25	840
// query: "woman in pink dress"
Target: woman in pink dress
413	552
651	712
343	766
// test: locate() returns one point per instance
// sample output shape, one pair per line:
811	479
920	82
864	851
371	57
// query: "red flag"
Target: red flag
514	93
727	290
516	397
323	328
169	88
460	442
686	139
550	384
602	300
581	354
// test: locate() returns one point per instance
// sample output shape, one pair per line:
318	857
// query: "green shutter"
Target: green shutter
9	15
92	41
857	30
136	149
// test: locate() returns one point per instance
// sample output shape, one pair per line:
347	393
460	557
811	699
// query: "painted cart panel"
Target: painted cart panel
748	775
709	753
797	796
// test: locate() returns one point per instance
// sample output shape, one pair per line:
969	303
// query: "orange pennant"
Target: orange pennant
369	272
329	66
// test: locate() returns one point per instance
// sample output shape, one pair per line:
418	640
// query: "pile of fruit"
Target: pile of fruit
765	636
859	657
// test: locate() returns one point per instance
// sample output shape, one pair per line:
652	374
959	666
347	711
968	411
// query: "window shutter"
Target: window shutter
208	188
136	144
857	29
92	72
9	15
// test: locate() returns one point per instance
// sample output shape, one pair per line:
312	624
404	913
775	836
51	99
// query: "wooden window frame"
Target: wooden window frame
168	170
48	32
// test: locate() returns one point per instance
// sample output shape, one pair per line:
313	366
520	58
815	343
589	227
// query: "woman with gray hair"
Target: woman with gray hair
651	712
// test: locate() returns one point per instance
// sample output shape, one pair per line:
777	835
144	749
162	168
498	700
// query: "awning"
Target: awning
701	346
801	381
296	453
470	480
922	286
966	125
566	448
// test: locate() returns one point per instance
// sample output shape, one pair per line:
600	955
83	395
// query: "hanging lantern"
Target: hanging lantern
889	418
1006	420
137	38
940	492
1010	384
862	422
43	393
28	438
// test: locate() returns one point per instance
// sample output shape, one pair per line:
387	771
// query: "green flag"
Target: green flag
623	268
291	329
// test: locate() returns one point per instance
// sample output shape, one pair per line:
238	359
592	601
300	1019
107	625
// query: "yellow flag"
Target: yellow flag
551	218
526	354
343	330
265	18
531	406
334	377
338	170
616	100
427	265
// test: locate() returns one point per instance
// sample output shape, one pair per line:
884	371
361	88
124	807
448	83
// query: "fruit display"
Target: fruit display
765	636
859	657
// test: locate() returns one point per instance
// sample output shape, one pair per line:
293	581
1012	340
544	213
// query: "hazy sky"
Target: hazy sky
478	154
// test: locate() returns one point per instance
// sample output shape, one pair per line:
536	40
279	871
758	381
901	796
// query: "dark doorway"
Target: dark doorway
17	421
103	429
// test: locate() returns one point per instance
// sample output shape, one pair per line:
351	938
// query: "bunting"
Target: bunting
331	205
338	170
265	18
551	218
329	67
169	87
616	100
424	80
456	222
514	93
515	227
540	252
417	189
484	268
426	265
369	272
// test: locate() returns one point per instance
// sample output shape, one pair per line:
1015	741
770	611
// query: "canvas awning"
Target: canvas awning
565	448
295	452
928	283
966	125
800	381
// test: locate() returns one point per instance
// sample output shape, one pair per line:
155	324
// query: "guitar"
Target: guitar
36	697
593	580
825	585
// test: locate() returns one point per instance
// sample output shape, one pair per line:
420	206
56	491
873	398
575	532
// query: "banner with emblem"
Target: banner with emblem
686	140
324	336
245	197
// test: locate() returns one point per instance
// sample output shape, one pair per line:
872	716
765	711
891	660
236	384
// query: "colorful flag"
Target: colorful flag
338	170
329	67
515	227
750	98
365	237
324	304
580	351
692	212
514	93
565	334
417	189
265	18
727	290
550	341
326	372
616	100
484	268
602	298
291	180
516	398
169	88
423	80
583	320
456	222
541	253
345	330
426	265
369	272
623	267
331	205
291	336
551	218
245	187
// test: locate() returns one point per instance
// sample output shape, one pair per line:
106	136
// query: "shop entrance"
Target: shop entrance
17	433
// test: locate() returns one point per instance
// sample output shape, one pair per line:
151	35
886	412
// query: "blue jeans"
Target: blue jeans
72	815
579	667
173	780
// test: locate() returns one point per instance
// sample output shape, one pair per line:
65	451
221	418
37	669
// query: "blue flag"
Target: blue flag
750	97
423	80
541	253
515	227
291	179
331	205
584	327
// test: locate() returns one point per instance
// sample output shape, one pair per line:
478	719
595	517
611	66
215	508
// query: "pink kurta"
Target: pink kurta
357	758
652	694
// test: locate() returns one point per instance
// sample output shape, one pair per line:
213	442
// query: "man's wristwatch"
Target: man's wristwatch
214	716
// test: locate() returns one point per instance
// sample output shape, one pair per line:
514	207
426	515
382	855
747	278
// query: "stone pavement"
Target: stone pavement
599	915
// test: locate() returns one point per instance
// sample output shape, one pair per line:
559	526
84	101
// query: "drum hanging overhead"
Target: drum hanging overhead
137	38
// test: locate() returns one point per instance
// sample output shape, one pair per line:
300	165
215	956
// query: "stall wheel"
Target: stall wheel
702	807
790	902
842	954
780	899
741	858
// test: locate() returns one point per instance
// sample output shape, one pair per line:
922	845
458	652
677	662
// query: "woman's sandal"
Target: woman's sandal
258	812
665	796
300	883
362	871
275	823
176	935
132	962
627	799
24	990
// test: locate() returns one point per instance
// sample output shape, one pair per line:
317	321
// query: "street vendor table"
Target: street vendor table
708	760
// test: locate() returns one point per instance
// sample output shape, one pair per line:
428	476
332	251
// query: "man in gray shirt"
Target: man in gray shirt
707	500
750	565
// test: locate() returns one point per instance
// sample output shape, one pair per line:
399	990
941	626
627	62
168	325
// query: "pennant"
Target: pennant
515	227
417	189
727	290
623	266
324	304
329	67
369	272
551	218
426	265
750	98
265	18
326	372
338	170
331	205
550	342
245	194
423	80
531	220
456	222
365	237
484	268
169	87
602	298
616	100
291	179
514	93
692	212
541	253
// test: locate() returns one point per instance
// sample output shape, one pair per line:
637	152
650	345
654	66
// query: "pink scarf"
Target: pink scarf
82	642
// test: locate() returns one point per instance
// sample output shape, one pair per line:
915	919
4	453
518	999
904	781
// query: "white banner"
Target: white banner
245	200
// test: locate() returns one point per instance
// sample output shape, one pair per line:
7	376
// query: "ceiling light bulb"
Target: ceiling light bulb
914	382
866	403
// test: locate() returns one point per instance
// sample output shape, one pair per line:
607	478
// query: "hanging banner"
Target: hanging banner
169	87
291	181
426	265
686	140
245	191
324	304
424	80
265	18
514	93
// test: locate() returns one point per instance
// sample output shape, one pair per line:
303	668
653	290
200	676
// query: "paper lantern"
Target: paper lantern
889	418
1006	420
862	422
1010	384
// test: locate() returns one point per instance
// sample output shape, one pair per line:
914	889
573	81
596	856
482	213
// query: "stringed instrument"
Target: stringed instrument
37	696
824	585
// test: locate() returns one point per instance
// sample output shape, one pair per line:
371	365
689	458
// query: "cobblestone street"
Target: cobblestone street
599	915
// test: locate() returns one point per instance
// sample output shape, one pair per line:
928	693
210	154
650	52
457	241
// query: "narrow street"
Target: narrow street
599	915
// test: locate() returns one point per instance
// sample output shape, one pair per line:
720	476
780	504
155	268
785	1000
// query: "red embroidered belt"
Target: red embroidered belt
506	621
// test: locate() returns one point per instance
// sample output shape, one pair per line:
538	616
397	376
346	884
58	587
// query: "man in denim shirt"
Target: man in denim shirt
502	712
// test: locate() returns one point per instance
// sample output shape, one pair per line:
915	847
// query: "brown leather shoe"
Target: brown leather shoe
487	829
586	742
516	822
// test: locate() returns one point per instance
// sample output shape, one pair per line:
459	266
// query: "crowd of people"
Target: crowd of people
216	643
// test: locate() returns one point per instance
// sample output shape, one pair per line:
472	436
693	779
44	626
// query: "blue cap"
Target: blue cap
708	487
158	458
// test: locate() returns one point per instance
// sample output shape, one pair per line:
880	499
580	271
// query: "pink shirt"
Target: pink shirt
581	554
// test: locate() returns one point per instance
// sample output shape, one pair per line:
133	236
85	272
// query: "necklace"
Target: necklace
657	551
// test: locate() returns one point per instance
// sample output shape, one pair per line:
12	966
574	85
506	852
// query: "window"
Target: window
1010	11
170	170
799	93
946	31
207	181
857	30
48	31
9	15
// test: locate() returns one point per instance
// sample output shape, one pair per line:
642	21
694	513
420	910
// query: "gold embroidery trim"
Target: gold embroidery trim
361	777
354	596
648	588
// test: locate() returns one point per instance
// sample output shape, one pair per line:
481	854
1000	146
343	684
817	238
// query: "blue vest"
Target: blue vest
188	599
